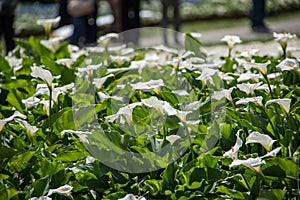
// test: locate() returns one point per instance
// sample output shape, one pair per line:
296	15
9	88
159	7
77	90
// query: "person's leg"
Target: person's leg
79	34
176	19
115	6
92	29
8	31
164	20
257	15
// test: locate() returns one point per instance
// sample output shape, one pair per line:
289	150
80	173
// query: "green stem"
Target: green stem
50	104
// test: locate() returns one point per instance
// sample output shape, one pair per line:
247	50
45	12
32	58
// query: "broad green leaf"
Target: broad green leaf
71	156
8	193
193	44
4	65
280	167
20	161
230	192
271	194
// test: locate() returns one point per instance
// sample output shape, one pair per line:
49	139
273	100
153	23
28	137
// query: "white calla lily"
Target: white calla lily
284	103
44	74
233	152
252	163
273	153
31	130
248	88
98	82
16	114
149	85
257	100
132	197
62	190
31	102
261	67
288	64
218	95
248	76
265	140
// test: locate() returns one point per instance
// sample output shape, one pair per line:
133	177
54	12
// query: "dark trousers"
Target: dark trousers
166	4
85	30
257	13
6	29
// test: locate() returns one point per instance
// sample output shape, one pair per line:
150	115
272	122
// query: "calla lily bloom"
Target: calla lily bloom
257	100
265	140
98	82
31	130
261	67
288	64
217	95
252	163
273	153
16	114
231	40
248	88
48	23
248	76
52	44
149	85
31	102
132	197
282	39
105	39
44	74
125	111
233	152
284	103
40	198
62	190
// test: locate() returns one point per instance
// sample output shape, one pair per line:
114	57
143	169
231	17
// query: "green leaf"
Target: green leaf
193	44
20	161
230	192
8	193
169	177
280	167
71	156
4	65
41	186
271	194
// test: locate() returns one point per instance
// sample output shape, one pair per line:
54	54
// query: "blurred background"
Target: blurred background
194	14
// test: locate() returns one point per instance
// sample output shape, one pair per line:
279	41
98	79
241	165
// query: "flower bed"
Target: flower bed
112	121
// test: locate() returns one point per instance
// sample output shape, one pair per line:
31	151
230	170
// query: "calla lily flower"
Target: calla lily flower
284	103
233	152
48	23
252	163
125	111
31	102
217	95
248	76
44	74
273	153
207	75
288	64
257	100
98	82
62	190
61	90
265	140
231	40
105	39
31	130
282	39
261	67
52	44
16	114
132	197
248	88
149	85
162	106
89	69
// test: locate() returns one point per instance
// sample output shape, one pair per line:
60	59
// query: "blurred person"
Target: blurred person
257	15
166	5
115	6
83	17
7	16
65	18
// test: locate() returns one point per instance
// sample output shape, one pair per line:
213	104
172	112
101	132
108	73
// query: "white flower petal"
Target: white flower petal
265	140
284	103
